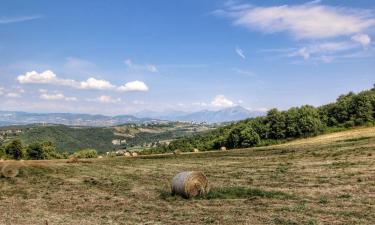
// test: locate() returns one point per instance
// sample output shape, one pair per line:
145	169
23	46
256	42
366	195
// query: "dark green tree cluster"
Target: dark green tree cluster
277	126
39	150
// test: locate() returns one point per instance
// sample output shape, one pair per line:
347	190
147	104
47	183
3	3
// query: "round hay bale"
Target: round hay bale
127	154
190	184
100	157
195	150
176	152
134	154
72	159
223	148
10	170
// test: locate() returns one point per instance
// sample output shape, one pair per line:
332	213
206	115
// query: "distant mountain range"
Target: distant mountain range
21	118
209	116
224	115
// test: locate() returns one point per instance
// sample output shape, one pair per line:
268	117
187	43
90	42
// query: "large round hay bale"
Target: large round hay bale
195	150
176	152
190	184
134	154
9	170
127	154
100	157
72	159
223	148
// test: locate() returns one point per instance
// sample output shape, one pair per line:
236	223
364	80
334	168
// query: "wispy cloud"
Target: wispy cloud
240	52
140	68
14	92
55	96
7	20
306	21
244	72
49	77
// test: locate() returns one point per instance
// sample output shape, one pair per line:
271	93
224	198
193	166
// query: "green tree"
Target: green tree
249	137
361	109
15	149
276	124
35	151
309	121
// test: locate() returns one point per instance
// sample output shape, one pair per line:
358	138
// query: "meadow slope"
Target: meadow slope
329	179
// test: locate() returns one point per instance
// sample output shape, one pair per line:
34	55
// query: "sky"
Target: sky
121	57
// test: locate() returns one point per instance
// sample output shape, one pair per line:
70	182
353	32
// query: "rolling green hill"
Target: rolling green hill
73	138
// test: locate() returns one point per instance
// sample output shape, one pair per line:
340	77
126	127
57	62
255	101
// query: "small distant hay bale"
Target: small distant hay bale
100	157
10	170
195	150
127	154
72	159
176	152
134	154
223	148
190	184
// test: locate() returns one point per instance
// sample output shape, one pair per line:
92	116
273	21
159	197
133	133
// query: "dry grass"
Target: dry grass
323	180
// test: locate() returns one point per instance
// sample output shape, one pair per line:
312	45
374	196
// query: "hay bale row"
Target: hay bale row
189	184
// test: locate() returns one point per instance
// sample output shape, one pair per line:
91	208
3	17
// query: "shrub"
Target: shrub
45	150
15	149
86	153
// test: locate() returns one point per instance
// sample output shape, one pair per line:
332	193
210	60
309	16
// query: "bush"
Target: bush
45	150
15	150
86	153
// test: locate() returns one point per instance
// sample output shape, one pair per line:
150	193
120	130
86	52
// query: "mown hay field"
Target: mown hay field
328	179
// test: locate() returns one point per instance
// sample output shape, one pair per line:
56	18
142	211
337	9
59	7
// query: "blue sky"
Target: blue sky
118	57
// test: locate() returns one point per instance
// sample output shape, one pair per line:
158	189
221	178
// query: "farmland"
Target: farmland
327	179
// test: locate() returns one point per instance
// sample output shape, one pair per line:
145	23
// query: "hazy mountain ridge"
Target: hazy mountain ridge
209	116
223	115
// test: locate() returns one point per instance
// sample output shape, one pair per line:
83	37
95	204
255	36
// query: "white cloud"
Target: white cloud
202	104
140	68
107	99
56	96
221	101
45	95
7	20
33	77
240	52
46	77
363	39
13	95
14	92
49	77
306	21
96	84
134	86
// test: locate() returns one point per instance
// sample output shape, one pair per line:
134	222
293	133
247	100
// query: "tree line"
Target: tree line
347	111
39	151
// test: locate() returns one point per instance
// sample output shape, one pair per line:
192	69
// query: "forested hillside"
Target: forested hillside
349	110
70	139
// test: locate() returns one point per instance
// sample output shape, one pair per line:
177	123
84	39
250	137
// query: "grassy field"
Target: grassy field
328	179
